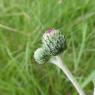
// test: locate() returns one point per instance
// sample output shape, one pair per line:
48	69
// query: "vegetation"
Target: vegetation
22	24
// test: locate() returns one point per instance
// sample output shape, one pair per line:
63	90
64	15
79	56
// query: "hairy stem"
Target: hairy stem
94	86
57	61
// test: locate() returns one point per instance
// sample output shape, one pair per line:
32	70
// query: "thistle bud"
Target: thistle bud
54	42
41	56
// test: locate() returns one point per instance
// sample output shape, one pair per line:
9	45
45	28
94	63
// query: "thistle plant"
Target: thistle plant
53	44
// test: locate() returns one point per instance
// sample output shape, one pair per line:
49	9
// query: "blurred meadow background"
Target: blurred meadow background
22	24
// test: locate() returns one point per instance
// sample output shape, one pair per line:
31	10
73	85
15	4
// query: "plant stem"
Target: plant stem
94	86
57	61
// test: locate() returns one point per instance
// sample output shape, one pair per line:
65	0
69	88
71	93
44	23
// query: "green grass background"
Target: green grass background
22	24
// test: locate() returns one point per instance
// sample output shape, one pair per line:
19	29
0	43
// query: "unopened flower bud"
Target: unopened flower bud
54	42
41	56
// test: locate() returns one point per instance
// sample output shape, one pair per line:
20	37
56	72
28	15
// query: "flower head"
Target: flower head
54	42
41	56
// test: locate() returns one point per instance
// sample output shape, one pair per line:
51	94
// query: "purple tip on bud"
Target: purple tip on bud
50	30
